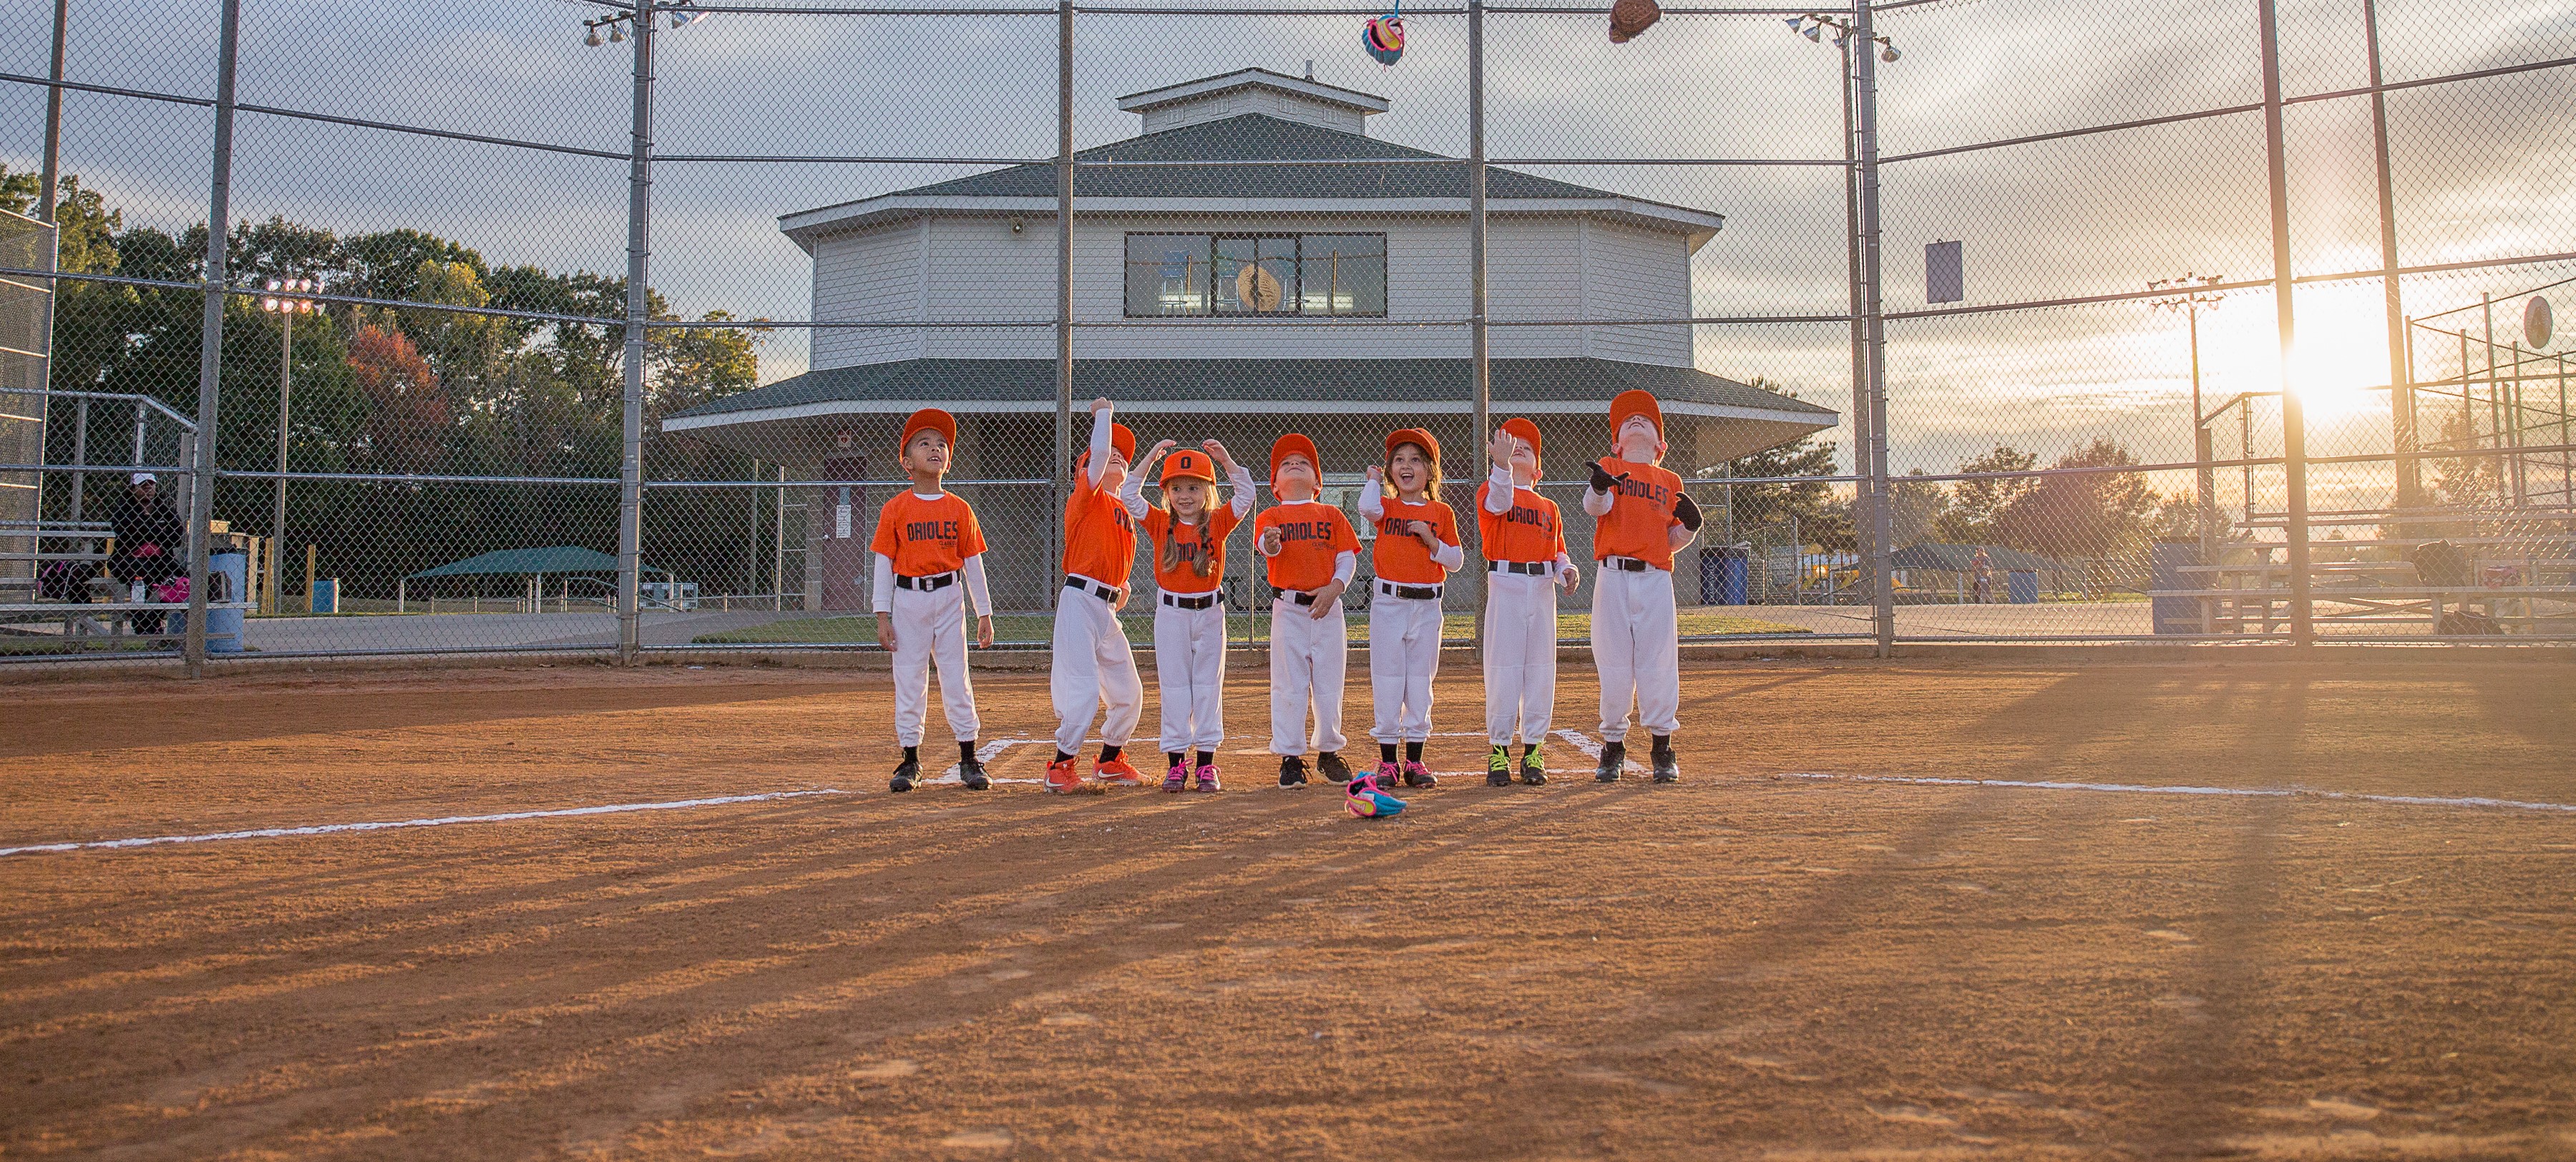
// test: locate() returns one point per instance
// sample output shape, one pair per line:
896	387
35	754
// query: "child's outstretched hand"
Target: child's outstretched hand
984	629
1500	449
1160	447
1217	452
1270	541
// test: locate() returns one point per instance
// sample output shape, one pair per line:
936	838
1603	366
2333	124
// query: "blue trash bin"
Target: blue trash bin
228	573
1722	575
2021	586
326	595
2165	560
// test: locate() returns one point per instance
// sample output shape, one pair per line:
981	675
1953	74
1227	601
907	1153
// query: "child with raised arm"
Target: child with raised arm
929	560
1092	665
1187	535
1312	552
1525	563
1644	517
1417	546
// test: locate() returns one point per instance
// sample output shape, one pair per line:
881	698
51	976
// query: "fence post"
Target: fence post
1480	365
2401	387
630	484
1874	323
1063	289
2294	424
210	345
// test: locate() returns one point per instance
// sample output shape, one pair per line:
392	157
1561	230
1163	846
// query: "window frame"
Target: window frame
1297	264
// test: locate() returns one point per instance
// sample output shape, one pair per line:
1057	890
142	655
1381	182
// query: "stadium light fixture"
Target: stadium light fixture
284	299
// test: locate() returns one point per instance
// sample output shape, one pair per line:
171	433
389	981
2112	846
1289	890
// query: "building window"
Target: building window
1202	275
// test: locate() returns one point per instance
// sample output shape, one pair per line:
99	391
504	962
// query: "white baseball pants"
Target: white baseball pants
930	626
1307	657
1404	655
1636	647
1520	656
1189	666
1093	667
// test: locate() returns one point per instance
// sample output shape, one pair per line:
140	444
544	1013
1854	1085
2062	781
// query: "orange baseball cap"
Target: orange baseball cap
1294	444
1120	438
929	420
1184	464
1430	444
1521	426
1636	401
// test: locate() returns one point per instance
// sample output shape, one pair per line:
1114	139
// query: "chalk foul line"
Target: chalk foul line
2149	789
396	824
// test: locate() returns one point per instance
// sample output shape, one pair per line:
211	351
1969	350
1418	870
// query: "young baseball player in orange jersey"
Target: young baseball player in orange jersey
1187	534
1643	516
1313	552
1092	663
1525	562
929	560
1417	546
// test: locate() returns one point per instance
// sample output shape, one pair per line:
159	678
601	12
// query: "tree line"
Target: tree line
405	391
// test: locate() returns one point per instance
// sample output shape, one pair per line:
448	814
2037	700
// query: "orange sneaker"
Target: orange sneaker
1062	778
1118	772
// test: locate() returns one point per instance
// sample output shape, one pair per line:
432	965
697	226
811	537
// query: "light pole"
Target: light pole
280	301
2190	299
1860	229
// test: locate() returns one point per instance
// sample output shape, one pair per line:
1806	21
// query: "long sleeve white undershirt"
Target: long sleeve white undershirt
1132	494
884	587
1498	491
1372	502
1598	503
1099	444
1449	556
1241	480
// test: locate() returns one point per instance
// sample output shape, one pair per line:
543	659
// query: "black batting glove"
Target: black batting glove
1687	512
1603	481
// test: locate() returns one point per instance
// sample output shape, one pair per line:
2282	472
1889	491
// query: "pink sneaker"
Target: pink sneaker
1417	775
1177	779
1207	778
1388	773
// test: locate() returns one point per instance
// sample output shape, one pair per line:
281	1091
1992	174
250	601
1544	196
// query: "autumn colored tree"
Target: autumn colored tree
408	417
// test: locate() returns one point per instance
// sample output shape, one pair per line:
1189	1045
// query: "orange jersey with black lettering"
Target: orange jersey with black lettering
1401	556
926	536
1180	548
1311	533
1099	536
1531	531
1641	519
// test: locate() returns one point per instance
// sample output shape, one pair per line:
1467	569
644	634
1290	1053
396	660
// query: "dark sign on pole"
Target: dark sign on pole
1944	279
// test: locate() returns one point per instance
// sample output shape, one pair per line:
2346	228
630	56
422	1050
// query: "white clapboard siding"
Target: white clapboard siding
965	269
870	276
1637	274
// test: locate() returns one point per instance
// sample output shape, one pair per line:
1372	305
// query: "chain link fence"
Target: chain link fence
585	327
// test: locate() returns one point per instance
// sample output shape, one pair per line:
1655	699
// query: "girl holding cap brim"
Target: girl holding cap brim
1187	535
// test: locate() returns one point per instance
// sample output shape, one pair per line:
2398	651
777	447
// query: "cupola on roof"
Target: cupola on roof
1261	91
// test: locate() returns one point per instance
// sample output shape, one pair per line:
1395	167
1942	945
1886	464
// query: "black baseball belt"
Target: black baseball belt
1409	592
1196	601
1626	564
1104	592
1524	568
930	584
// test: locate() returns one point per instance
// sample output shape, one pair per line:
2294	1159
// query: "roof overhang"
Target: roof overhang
870	407
811	226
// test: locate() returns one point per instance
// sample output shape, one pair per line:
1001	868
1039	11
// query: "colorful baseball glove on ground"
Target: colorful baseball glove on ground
1367	802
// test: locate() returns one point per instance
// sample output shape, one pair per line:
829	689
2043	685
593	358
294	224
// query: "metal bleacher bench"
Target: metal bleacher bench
101	619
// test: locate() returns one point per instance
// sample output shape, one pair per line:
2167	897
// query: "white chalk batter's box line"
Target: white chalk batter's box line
995	747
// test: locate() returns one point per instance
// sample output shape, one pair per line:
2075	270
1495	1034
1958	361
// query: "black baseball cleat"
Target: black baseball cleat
1292	771
1335	770
1668	766
1498	767
1533	767
1614	758
972	770
906	773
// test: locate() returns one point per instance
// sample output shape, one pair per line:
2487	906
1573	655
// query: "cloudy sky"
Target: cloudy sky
2480	167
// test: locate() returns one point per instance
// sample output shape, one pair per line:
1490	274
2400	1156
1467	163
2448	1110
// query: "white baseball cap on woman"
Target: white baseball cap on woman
144	478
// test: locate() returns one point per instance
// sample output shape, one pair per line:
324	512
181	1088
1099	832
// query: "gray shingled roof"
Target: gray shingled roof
1394	382
1255	137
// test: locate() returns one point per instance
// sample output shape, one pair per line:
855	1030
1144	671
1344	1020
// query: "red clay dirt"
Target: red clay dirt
1747	965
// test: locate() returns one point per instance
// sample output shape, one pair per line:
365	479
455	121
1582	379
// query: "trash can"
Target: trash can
2165	559
326	595
228	577
2021	586
1723	574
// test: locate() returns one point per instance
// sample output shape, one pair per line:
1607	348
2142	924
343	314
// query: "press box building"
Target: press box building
1240	300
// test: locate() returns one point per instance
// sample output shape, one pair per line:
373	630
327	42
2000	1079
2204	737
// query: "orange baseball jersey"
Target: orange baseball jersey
1400	556
1099	536
1641	514
1311	534
1179	549
926	537
1531	531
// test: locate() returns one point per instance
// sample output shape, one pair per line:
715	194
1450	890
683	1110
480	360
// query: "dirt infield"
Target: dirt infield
1775	959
